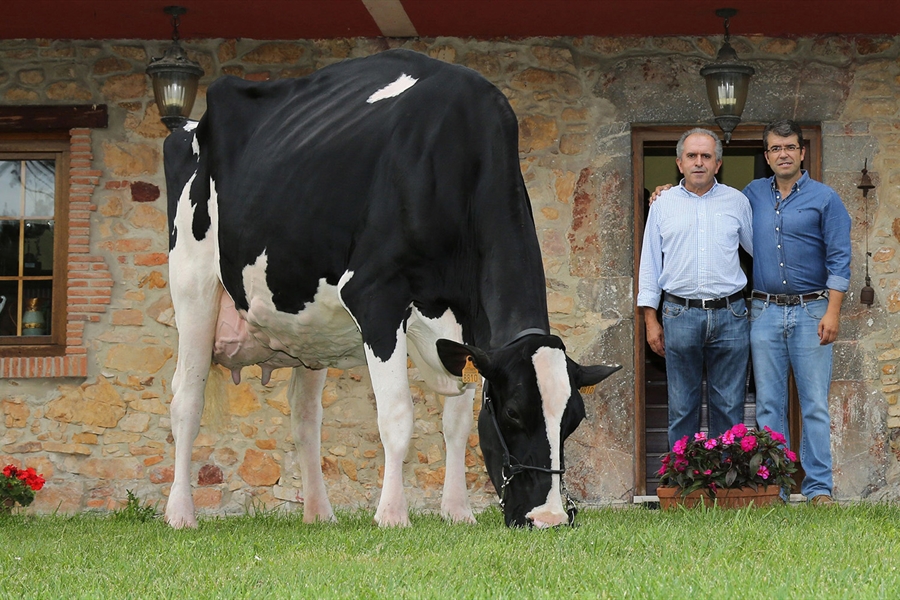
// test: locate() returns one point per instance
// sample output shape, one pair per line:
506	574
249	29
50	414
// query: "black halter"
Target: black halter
511	465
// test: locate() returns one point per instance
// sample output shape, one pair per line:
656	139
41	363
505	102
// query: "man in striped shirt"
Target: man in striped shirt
689	261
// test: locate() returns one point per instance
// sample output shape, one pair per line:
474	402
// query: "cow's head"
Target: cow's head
531	405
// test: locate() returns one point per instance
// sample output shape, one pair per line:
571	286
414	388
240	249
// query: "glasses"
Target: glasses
788	148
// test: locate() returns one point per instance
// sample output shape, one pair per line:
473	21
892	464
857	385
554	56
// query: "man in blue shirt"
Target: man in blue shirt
690	260
801	270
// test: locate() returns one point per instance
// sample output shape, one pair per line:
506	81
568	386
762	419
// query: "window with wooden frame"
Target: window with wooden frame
34	184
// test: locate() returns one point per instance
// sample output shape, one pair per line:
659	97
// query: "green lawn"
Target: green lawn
782	552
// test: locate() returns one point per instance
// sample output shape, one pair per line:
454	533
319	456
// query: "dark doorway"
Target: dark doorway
654	164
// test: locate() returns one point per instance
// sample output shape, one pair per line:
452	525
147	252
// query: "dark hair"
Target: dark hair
784	128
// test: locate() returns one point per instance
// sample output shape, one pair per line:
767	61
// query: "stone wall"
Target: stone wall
97	436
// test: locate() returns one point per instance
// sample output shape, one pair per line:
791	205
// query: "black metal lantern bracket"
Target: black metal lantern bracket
867	294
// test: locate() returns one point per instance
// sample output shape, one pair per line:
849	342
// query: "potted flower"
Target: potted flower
740	466
18	486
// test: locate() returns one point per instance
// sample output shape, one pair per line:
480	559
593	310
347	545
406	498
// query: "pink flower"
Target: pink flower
680	446
790	455
763	472
710	444
699	436
662	471
739	430
680	464
748	443
727	438
780	439
707	472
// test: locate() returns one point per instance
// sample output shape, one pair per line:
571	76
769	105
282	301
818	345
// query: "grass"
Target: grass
781	552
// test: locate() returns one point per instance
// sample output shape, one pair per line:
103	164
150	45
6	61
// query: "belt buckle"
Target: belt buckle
704	301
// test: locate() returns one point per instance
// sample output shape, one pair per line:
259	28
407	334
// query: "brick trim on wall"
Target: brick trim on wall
88	283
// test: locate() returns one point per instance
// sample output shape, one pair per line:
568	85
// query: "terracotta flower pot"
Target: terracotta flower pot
670	497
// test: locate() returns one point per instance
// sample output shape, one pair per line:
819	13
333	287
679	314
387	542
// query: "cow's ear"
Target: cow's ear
454	356
589	376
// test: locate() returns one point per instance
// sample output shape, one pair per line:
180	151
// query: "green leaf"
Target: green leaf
730	476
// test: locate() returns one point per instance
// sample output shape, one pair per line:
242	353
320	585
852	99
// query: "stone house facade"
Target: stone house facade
94	418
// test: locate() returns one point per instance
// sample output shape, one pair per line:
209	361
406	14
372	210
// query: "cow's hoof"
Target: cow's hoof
459	517
318	518
181	522
392	521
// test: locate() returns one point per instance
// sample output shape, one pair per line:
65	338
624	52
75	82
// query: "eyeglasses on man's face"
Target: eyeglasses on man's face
788	148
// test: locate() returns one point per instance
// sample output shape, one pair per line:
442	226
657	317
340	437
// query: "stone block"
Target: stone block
128	358
135	422
93	404
16	412
259	468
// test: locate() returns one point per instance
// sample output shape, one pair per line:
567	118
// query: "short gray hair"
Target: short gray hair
679	148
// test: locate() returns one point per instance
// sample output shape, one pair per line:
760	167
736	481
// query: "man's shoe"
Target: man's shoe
823	500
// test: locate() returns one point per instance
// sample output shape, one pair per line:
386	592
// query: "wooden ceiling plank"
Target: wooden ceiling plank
391	18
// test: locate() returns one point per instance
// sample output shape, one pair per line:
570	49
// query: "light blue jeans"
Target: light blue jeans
782	337
718	338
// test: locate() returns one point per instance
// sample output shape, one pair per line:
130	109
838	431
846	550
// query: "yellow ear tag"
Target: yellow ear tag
588	389
470	371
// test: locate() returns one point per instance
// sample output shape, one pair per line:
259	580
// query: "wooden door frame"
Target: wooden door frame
640	135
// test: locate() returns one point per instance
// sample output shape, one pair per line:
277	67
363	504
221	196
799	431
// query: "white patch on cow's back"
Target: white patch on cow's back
403	83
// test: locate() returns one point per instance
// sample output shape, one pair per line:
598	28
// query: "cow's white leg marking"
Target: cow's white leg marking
305	395
395	423
195	293
457	426
422	333
553	384
395	88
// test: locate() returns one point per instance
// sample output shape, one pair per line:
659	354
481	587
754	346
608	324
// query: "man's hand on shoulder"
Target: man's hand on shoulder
659	190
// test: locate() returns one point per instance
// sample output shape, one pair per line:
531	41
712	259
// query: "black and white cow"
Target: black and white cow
371	210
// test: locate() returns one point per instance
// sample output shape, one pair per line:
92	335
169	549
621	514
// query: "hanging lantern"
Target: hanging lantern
727	82
175	78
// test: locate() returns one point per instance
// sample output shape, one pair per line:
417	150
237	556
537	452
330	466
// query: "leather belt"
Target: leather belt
704	304
788	299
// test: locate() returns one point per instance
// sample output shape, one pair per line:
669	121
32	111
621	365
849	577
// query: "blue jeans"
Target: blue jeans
783	337
720	339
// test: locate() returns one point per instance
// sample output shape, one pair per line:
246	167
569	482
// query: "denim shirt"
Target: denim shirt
691	244
801	243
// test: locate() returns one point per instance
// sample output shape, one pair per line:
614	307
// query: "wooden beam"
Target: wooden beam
391	18
45	118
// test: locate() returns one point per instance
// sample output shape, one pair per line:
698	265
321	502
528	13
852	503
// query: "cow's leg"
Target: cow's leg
395	423
196	293
196	302
305	394
457	426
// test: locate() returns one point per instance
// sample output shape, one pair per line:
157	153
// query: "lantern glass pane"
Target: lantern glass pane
727	92
175	93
